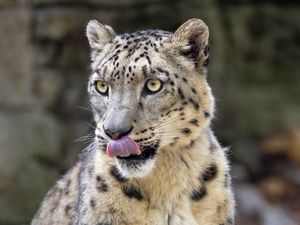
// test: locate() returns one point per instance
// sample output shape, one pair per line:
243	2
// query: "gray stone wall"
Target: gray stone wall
44	69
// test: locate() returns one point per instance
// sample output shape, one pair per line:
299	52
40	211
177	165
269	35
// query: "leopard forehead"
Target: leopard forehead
134	51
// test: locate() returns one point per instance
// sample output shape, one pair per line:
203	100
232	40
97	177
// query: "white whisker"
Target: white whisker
92	126
87	109
166	123
84	138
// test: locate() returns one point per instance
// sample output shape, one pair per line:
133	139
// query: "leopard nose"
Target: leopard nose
117	134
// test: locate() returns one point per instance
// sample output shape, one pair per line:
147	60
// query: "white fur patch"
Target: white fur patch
139	170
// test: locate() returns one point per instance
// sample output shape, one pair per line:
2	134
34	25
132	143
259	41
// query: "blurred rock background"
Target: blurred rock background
254	73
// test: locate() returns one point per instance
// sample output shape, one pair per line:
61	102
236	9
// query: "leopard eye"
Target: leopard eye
153	86
101	87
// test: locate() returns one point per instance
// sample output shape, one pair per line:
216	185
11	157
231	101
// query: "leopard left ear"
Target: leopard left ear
191	40
99	34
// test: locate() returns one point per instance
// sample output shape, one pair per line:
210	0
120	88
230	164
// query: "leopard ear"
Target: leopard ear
99	34
191	40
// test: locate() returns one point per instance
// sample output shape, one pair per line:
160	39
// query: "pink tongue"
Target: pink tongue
123	147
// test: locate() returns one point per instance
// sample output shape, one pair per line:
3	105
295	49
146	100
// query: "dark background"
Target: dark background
254	73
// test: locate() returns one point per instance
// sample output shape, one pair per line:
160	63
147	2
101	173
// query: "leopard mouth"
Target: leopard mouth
148	152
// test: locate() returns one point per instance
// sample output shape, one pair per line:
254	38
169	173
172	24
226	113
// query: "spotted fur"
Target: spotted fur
182	176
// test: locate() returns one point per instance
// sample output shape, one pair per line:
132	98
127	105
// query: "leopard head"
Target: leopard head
150	86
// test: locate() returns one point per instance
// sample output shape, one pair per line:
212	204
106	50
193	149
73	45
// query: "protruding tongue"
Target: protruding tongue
123	147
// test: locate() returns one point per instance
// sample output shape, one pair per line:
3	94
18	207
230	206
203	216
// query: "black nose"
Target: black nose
117	134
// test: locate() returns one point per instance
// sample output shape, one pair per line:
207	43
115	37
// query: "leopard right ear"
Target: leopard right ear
99	35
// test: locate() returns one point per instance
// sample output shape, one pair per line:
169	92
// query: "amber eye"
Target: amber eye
101	87
153	86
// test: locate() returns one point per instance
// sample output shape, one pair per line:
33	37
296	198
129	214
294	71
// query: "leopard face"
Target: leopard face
151	86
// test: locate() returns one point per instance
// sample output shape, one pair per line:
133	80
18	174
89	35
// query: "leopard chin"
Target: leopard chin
137	165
